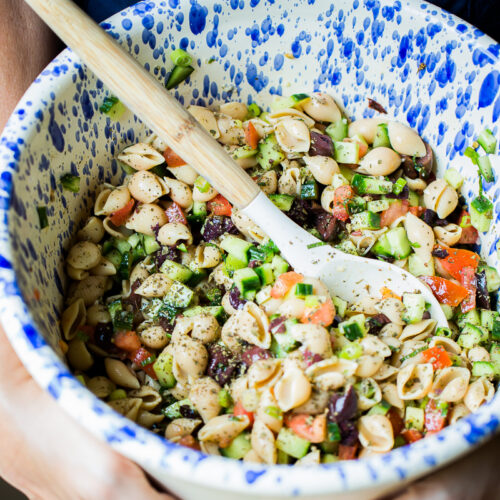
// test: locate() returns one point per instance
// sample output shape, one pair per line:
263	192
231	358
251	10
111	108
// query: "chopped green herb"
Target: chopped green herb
112	107
333	430
472	154
70	182
399	186
178	75
317	244
42	217
487	141
181	58
108	103
274	412
253	111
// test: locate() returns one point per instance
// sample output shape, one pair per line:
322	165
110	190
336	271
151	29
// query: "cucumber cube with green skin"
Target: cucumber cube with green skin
236	247
495	357
454	178
448	311
399	185
488	319
265	273
356	205
346	152
244	152
246	279
232	264
486	169
280	265
354	328
365	220
283	458
238	448
495	331
174	410
414	418
487	141
380	409
471	336
269	153
163	369
338	130
282	201
364	184
303	289
176	271
415	307
115	257
125	266
340	306
282	344
378	205
418	267
309	190
178	295
381	136
483	369
413	199
123	246
481	213
134	239
292	444
492	278
443	331
150	244
216	311
198	212
394	244
329	458
198	276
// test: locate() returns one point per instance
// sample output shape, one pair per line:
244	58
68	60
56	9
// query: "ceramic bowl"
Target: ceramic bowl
426	67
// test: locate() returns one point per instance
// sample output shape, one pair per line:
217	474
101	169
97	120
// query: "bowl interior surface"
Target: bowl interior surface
427	68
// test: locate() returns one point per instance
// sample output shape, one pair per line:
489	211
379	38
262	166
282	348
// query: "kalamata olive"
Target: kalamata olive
342	407
217	225
235	298
482	295
187	412
103	335
431	218
426	315
327	226
348	432
376	106
277	325
222	365
166	324
166	253
310	358
418	167
299	212
253	354
321	145
440	253
133	299
377	322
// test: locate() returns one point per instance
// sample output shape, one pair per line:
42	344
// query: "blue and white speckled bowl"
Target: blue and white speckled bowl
354	50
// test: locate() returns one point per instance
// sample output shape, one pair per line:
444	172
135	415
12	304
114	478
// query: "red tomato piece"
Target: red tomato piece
469	281
469	232
172	158
189	442
417	211
308	427
340	198
437	356
127	341
457	259
412	435
347	452
251	136
240	410
446	291
395	211
284	283
143	358
220	206
175	213
120	216
435	420
396	420
319	316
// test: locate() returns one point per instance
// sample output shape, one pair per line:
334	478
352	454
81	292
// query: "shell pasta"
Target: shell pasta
183	316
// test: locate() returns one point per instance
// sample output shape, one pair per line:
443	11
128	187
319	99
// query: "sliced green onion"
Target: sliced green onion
202	184
399	186
485	168
472	154
108	103
352	350
333	432
253	110
443	331
42	217
70	182
181	58
274	412
149	360
225	399
487	141
178	75
182	248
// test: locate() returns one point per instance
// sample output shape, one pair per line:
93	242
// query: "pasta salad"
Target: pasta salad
183	316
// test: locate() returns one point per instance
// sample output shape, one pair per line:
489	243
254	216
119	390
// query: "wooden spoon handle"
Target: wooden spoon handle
147	98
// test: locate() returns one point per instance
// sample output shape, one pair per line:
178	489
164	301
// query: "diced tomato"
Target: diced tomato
412	435
387	293
308	427
251	136
347	452
394	212
322	315
128	341
172	158
240	410
175	213
144	356
284	283
190	442
457	259
220	206
396	420
435	420
469	232
417	211
469	281
363	147
340	198
120	216
437	356
446	291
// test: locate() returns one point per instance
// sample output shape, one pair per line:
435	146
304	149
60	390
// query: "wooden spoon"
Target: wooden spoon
347	276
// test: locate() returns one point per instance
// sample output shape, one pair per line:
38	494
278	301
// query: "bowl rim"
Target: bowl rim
156	454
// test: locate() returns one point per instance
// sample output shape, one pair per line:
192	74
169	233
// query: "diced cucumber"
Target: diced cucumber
365	220
472	336
418	267
413	199
198	276
329	458
270	153
244	152
198	212
481	213
123	246
282	201
444	331
178	75
340	306
347	246
338	130
353	328
399	185
246	279
381	136
378	205
134	239
495	331
163	369
380	409
174	410
471	317
345	172
356	205
115	257
394	244
448	311
113	107
216	311
150	244
225	399
178	295
483	369
488	319
365	184
263	295
282	344
454	178
125	266
176	271
303	289
239	447
265	273
292	444
415	307
414	418
283	458
351	350
280	265
495	357
492	278
487	141
309	190
346	152
236	247
285	102
486	169
231	264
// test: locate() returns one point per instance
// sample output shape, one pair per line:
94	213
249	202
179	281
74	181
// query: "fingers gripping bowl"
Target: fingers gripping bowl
82	141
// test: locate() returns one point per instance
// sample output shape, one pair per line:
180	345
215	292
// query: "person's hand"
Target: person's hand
47	455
